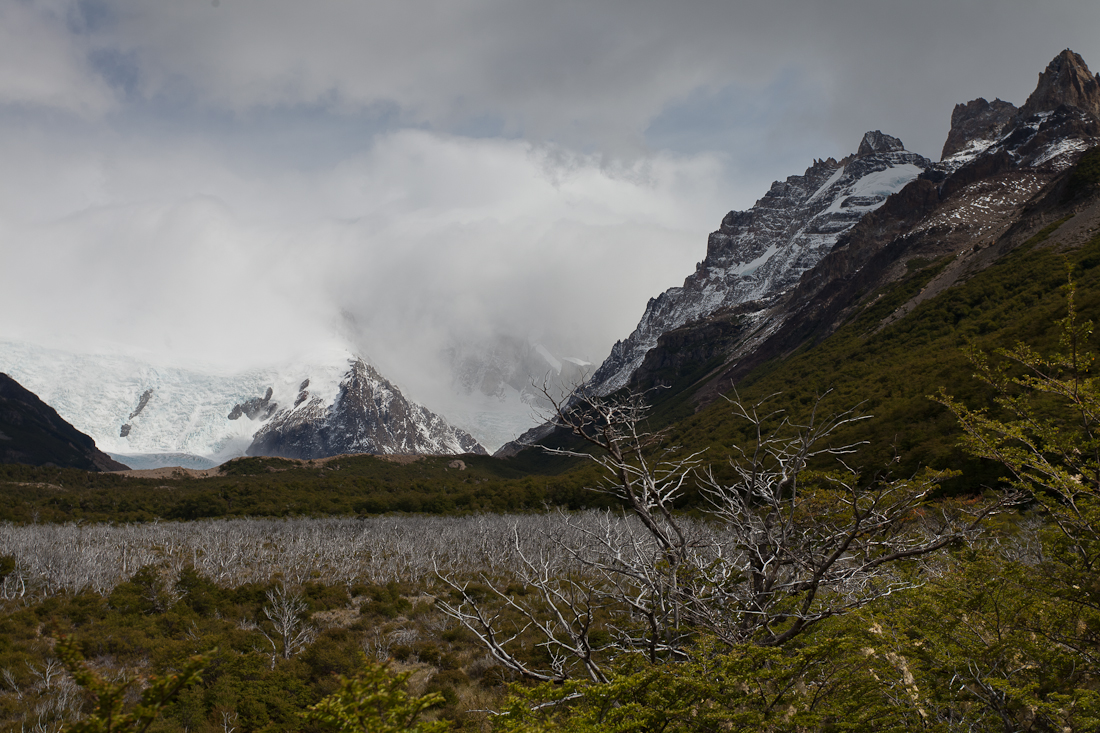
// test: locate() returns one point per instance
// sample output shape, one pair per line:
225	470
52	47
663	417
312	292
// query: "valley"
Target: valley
846	477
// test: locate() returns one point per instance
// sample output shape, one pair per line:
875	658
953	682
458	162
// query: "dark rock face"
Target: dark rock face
1066	81
32	432
369	415
145	397
257	408
876	142
977	120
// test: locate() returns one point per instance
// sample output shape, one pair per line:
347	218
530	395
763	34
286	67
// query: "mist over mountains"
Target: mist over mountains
790	268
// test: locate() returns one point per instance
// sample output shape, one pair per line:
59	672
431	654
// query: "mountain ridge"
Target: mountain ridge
148	415
974	205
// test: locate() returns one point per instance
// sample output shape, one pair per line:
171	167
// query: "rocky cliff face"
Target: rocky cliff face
369	415
758	255
977	121
1066	81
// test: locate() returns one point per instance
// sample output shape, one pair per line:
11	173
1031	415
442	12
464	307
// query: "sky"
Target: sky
238	182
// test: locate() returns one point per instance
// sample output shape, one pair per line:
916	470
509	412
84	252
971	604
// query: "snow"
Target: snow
186	419
973	149
554	363
750	267
1062	147
878	185
837	174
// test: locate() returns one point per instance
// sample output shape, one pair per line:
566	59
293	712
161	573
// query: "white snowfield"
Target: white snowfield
186	418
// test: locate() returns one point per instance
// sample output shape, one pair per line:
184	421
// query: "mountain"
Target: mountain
816	252
369	415
795	265
759	254
1005	182
149	415
32	432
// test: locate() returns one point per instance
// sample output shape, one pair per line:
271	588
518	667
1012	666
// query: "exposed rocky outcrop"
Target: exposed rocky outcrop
977	122
257	408
142	402
32	432
369	415
1066	81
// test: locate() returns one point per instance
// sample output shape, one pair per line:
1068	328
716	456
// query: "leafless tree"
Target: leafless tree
289	634
781	549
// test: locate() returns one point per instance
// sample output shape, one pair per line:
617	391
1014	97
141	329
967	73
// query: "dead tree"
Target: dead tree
781	549
290	635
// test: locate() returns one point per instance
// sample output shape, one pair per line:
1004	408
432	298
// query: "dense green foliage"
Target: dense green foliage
137	638
108	714
352	485
374	701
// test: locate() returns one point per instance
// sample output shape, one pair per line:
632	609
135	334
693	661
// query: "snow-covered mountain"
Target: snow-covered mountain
759	254
147	415
369	415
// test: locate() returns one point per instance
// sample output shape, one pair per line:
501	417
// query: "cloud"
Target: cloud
589	75
234	181
423	239
42	68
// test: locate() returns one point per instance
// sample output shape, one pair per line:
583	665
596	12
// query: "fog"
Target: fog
242	181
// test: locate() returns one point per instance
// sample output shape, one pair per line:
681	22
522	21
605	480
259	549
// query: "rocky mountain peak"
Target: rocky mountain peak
879	142
977	120
369	415
1066	80
759	254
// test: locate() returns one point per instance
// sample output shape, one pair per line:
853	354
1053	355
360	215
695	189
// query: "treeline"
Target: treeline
274	487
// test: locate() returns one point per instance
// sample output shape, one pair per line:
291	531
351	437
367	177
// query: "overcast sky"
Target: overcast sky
240	181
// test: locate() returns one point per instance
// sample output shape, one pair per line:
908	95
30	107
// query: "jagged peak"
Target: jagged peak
1066	80
876	141
977	120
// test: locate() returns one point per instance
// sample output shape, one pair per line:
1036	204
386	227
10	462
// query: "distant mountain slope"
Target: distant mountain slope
149	415
793	267
32	432
368	415
975	207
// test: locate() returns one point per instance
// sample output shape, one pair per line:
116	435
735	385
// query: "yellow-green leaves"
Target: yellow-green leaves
375	701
